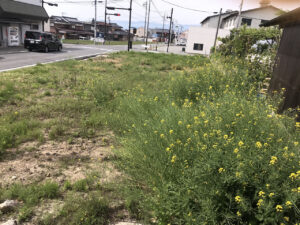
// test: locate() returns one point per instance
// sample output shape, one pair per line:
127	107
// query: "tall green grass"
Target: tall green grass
206	149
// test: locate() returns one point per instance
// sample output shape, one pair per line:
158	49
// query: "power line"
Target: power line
182	7
157	9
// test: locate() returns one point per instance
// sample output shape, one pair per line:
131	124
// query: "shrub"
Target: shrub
254	48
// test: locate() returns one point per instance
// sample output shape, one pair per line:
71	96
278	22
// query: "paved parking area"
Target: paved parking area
15	58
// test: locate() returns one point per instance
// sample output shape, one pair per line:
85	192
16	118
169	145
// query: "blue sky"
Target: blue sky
84	10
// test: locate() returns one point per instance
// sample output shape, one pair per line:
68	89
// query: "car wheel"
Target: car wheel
46	49
59	48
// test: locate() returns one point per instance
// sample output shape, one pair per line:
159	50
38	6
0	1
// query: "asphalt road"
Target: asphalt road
20	58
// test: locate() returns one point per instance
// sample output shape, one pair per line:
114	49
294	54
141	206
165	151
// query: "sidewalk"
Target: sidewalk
11	50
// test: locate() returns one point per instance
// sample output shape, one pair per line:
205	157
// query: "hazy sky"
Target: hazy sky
84	9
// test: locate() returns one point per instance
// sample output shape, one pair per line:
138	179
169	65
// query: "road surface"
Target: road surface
19	58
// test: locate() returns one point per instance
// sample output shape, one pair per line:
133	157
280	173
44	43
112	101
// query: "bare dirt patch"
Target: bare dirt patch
59	161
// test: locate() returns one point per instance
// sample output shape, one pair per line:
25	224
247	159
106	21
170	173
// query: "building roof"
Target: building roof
20	10
65	19
287	19
216	15
235	13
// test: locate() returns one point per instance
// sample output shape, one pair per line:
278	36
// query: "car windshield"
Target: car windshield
33	35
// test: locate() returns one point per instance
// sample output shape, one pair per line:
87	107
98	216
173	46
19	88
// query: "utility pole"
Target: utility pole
170	35
219	21
129	27
239	16
43	25
95	23
105	26
146	6
149	7
163	32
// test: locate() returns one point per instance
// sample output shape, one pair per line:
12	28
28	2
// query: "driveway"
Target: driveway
19	58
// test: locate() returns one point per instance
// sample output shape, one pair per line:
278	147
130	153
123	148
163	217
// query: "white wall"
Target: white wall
205	36
35	2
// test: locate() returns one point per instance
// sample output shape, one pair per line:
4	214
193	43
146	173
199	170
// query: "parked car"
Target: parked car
42	41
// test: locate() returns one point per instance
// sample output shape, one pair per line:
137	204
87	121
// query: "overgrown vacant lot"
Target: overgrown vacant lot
159	138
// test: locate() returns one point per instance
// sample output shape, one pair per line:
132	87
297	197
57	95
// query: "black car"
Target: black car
41	41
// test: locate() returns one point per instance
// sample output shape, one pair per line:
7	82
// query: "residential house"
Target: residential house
116	33
16	18
201	39
69	27
286	73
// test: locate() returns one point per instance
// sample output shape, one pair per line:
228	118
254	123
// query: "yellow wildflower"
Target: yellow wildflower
258	145
288	204
168	149
293	176
162	136
179	122
156	99
287	219
238	214
238	199
279	208
171	131
221	170
188	126
271	194
260	202
225	137
273	160
236	150
261	194
296	143
241	143
173	159
162	121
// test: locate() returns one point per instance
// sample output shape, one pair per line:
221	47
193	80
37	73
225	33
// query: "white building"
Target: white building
201	39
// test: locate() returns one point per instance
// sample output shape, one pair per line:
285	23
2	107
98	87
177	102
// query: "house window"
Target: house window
198	47
264	21
34	27
73	27
246	21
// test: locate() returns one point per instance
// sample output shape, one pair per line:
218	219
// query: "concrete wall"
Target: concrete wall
205	36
